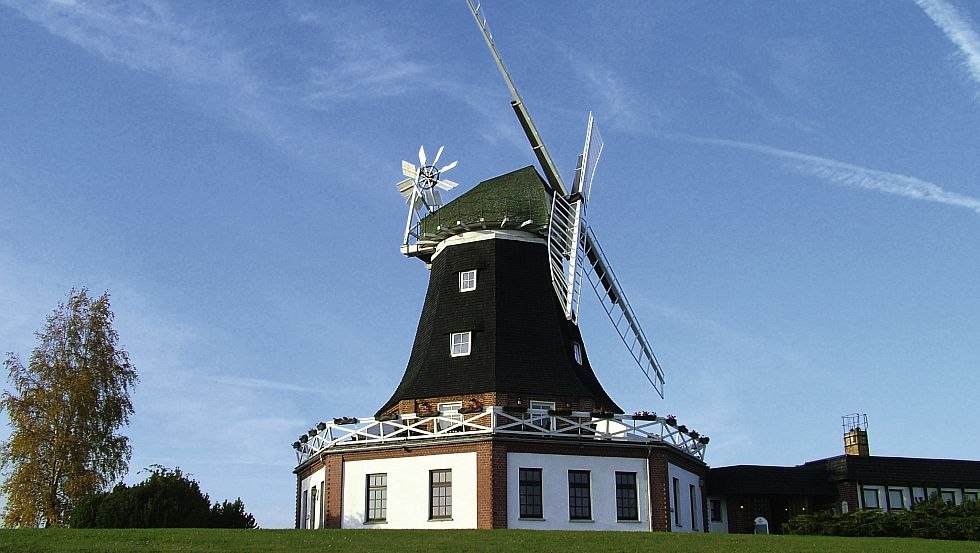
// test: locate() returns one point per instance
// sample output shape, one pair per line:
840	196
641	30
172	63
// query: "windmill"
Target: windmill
573	249
421	187
499	408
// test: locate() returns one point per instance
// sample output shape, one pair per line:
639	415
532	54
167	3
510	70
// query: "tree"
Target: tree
231	515
166	499
65	409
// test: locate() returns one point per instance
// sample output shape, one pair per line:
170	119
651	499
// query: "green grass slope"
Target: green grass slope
467	541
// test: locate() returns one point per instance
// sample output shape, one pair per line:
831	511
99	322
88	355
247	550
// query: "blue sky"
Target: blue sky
789	196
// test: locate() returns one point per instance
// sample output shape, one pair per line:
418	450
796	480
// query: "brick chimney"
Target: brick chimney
856	434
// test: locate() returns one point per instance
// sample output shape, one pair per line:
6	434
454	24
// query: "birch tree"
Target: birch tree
66	408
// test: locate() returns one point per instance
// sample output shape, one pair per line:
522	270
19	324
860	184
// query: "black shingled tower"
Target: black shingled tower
522	343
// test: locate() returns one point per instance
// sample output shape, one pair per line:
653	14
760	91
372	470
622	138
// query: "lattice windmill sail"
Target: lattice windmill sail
421	188
572	247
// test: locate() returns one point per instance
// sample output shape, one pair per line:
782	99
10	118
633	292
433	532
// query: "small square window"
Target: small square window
577	352
467	281
460	344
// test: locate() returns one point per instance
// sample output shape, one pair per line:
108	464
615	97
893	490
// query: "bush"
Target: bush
929	519
166	499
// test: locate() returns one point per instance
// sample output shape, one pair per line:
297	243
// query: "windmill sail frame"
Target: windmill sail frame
569	237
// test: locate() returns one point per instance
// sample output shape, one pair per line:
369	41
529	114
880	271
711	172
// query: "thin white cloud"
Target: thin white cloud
847	174
367	65
618	104
144	35
263	384
204	57
959	29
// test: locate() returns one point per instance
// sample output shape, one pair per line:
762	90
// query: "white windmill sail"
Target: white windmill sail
570	240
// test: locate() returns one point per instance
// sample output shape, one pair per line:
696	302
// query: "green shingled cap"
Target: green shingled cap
516	197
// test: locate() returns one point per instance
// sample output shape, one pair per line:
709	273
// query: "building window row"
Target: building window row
440	496
531	495
899	498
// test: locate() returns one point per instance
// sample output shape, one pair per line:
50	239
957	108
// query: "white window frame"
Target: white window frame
539	413
464	344
441	503
467	284
376	498
450	410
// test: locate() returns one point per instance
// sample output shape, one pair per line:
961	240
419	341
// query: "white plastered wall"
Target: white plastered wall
680	514
311	512
554	476
408	491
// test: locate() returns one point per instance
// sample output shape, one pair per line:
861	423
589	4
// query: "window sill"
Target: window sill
441	519
374	522
629	521
533	519
585	520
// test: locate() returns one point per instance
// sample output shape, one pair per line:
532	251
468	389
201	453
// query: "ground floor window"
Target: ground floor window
714	506
304	510
896	499
377	497
440	494
579	495
871	499
313	498
530	493
971	496
694	507
676	488
626	498
949	496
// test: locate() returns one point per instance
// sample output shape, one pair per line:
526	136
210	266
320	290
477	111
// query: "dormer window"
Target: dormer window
577	352
459	344
467	281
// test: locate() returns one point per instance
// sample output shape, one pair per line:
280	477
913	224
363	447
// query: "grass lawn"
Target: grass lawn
467	541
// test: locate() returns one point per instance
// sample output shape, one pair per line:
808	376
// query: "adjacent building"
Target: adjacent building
739	495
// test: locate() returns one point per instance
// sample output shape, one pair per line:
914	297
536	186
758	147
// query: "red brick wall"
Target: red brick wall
659	492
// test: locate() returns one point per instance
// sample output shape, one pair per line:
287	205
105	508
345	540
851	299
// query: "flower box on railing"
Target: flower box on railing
694	434
645	417
560	412
470	410
671	420
704	440
388	417
345	420
682	428
603	414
